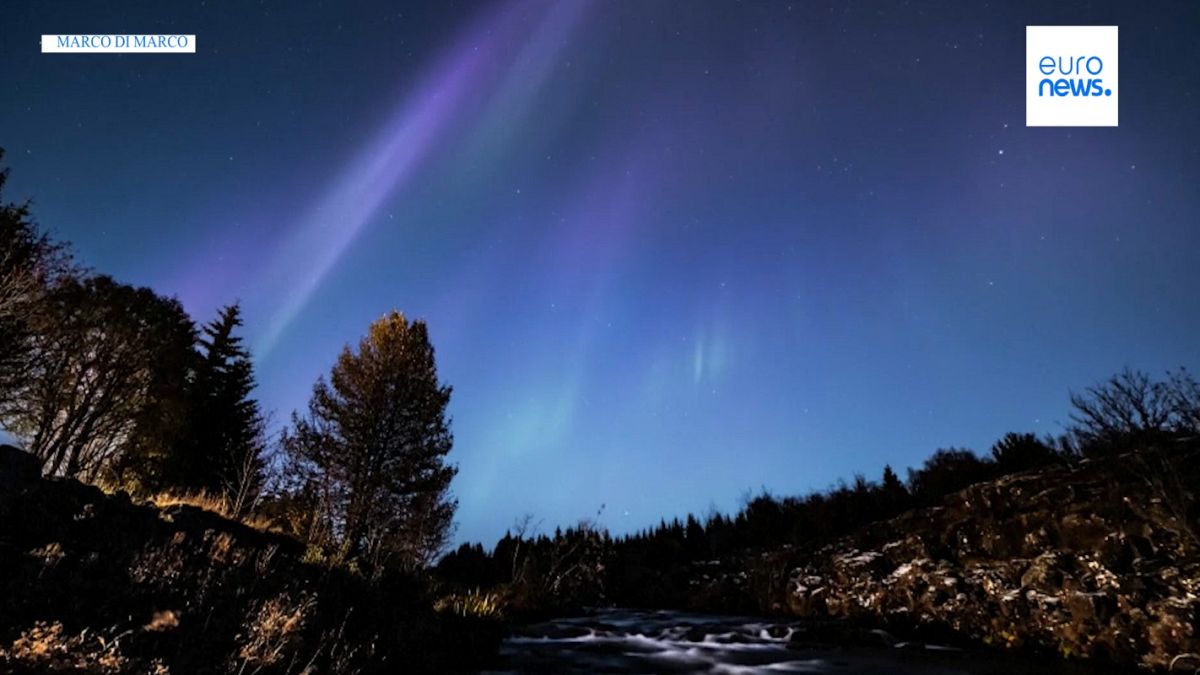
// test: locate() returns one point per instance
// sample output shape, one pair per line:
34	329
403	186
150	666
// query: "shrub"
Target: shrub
947	471
474	604
1021	452
217	504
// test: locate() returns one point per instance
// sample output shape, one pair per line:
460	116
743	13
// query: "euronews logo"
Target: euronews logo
1071	76
1074	67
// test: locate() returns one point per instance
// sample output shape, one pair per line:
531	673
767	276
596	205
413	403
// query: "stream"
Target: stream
638	641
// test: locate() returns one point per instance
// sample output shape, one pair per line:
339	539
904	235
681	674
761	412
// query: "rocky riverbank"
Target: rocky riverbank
1097	560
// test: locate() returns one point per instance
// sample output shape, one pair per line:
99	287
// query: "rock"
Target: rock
17	468
1045	574
1082	560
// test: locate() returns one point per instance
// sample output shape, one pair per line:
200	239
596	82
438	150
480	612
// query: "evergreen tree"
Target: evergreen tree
891	482
222	453
893	494
374	444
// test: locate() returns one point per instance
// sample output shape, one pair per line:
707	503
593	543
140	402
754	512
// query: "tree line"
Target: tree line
1129	412
117	385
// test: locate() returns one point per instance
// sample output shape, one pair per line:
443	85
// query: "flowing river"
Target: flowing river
631	641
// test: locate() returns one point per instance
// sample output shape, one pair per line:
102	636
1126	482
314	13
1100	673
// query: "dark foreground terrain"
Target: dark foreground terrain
95	583
1085	567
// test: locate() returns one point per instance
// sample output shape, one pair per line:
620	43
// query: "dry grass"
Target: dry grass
201	500
475	604
212	503
274	631
163	620
47	647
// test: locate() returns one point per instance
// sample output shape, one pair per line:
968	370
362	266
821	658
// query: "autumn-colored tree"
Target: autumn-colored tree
370	453
105	377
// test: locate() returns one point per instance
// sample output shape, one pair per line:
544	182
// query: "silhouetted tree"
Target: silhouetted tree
1128	411
222	453
695	539
30	265
373	447
947	471
893	495
105	352
469	566
1184	394
764	519
163	424
1021	452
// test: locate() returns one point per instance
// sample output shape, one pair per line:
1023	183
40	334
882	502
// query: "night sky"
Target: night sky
668	251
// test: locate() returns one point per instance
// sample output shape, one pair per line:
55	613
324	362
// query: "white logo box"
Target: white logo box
1071	76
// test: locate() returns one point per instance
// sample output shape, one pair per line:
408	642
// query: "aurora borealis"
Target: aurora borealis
668	252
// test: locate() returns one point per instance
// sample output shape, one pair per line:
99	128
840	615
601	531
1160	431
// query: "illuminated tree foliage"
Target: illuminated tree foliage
370	454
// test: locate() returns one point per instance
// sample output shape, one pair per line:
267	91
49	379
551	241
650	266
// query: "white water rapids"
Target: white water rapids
631	641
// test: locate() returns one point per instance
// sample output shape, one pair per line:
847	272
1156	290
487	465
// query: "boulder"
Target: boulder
1088	561
17	468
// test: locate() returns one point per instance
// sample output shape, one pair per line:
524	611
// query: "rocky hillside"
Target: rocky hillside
96	583
1098	560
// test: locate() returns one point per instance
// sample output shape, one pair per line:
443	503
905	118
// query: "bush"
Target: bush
1021	452
947	471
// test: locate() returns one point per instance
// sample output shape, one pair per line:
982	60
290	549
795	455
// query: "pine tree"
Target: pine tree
374	444
223	451
894	494
891	482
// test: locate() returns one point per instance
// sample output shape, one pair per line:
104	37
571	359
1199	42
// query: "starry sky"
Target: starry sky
668	251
